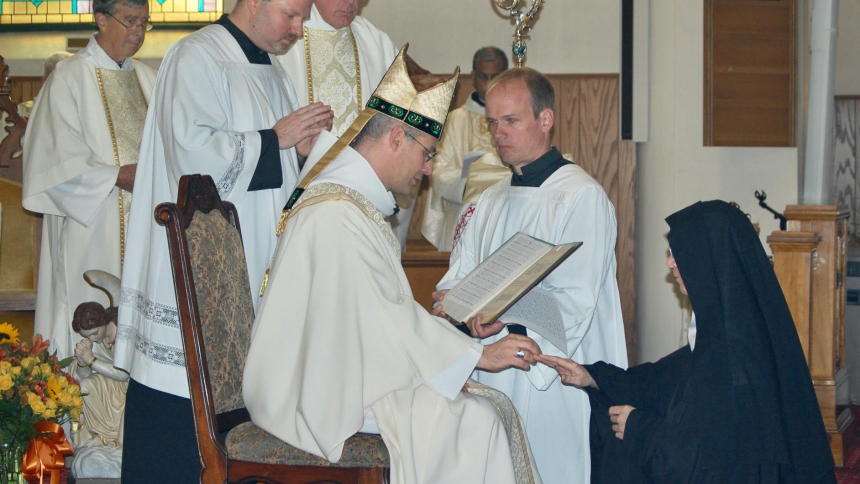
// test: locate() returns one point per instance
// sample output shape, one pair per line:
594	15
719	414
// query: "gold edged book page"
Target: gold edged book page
501	281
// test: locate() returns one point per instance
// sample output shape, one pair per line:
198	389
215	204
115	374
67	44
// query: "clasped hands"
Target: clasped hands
84	352
512	351
302	127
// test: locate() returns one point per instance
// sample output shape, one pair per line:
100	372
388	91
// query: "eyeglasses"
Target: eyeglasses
135	22
428	155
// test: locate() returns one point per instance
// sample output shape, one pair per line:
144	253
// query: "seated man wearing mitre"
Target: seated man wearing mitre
358	352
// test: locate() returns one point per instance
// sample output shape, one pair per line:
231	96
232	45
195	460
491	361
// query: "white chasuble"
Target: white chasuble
340	326
86	123
466	131
569	206
208	107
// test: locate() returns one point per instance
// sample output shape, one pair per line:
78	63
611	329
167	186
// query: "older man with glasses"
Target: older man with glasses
80	156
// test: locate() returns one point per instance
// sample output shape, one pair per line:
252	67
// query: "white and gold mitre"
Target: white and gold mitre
396	96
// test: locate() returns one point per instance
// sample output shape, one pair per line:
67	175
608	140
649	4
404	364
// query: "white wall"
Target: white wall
570	36
848	49
675	170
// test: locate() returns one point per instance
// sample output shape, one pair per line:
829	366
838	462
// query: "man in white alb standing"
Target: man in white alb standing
224	107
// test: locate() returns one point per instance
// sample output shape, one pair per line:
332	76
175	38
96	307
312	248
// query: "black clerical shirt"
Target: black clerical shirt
537	172
267	174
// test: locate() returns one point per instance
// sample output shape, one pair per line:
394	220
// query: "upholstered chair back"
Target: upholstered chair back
206	246
223	302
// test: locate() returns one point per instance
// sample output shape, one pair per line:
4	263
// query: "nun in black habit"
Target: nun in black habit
737	404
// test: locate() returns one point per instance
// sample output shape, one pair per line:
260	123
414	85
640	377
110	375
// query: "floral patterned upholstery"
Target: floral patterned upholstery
224	302
250	443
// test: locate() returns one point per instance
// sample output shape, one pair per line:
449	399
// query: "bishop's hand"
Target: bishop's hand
306	122
512	351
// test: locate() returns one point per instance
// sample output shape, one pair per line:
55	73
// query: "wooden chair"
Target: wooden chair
216	316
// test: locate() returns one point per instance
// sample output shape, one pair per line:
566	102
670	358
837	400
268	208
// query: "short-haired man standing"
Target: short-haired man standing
224	107
467	131
80	156
552	199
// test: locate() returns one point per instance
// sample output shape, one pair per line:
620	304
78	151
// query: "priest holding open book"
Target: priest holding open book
550	199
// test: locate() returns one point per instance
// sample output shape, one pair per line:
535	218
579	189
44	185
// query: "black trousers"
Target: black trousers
159	442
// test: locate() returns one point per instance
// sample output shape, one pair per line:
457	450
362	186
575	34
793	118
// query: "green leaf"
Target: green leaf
66	361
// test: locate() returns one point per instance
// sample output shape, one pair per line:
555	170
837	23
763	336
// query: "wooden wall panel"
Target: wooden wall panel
25	88
749	73
625	246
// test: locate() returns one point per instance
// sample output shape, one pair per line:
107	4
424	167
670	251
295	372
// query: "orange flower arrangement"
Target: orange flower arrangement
33	388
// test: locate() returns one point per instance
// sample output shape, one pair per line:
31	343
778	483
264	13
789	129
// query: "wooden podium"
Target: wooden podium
810	262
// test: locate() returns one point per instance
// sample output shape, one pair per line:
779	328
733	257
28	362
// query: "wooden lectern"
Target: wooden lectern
810	262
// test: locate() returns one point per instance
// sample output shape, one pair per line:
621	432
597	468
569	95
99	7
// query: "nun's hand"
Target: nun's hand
619	415
570	372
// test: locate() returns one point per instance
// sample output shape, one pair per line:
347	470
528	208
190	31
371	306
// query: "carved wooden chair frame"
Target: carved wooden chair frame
198	194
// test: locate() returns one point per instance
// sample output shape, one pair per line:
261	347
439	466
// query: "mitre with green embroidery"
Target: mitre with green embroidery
396	96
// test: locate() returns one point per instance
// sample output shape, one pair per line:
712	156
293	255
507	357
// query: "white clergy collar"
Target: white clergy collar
351	170
691	332
316	21
94	54
474	107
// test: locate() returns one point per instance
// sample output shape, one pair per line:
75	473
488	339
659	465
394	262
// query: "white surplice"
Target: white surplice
207	108
569	206
70	173
337	86
466	131
338	335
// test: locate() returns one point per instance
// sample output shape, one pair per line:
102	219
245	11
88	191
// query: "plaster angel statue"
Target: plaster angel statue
98	437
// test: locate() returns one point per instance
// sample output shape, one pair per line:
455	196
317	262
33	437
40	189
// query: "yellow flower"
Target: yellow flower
4	366
6	382
63	381
74	390
49	412
35	403
53	387
65	399
78	401
28	363
15	371
51	404
75	413
46	369
8	333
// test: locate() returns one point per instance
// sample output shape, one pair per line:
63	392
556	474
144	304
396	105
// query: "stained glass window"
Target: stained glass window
80	11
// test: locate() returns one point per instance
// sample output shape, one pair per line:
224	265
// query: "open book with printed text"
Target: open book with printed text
503	287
